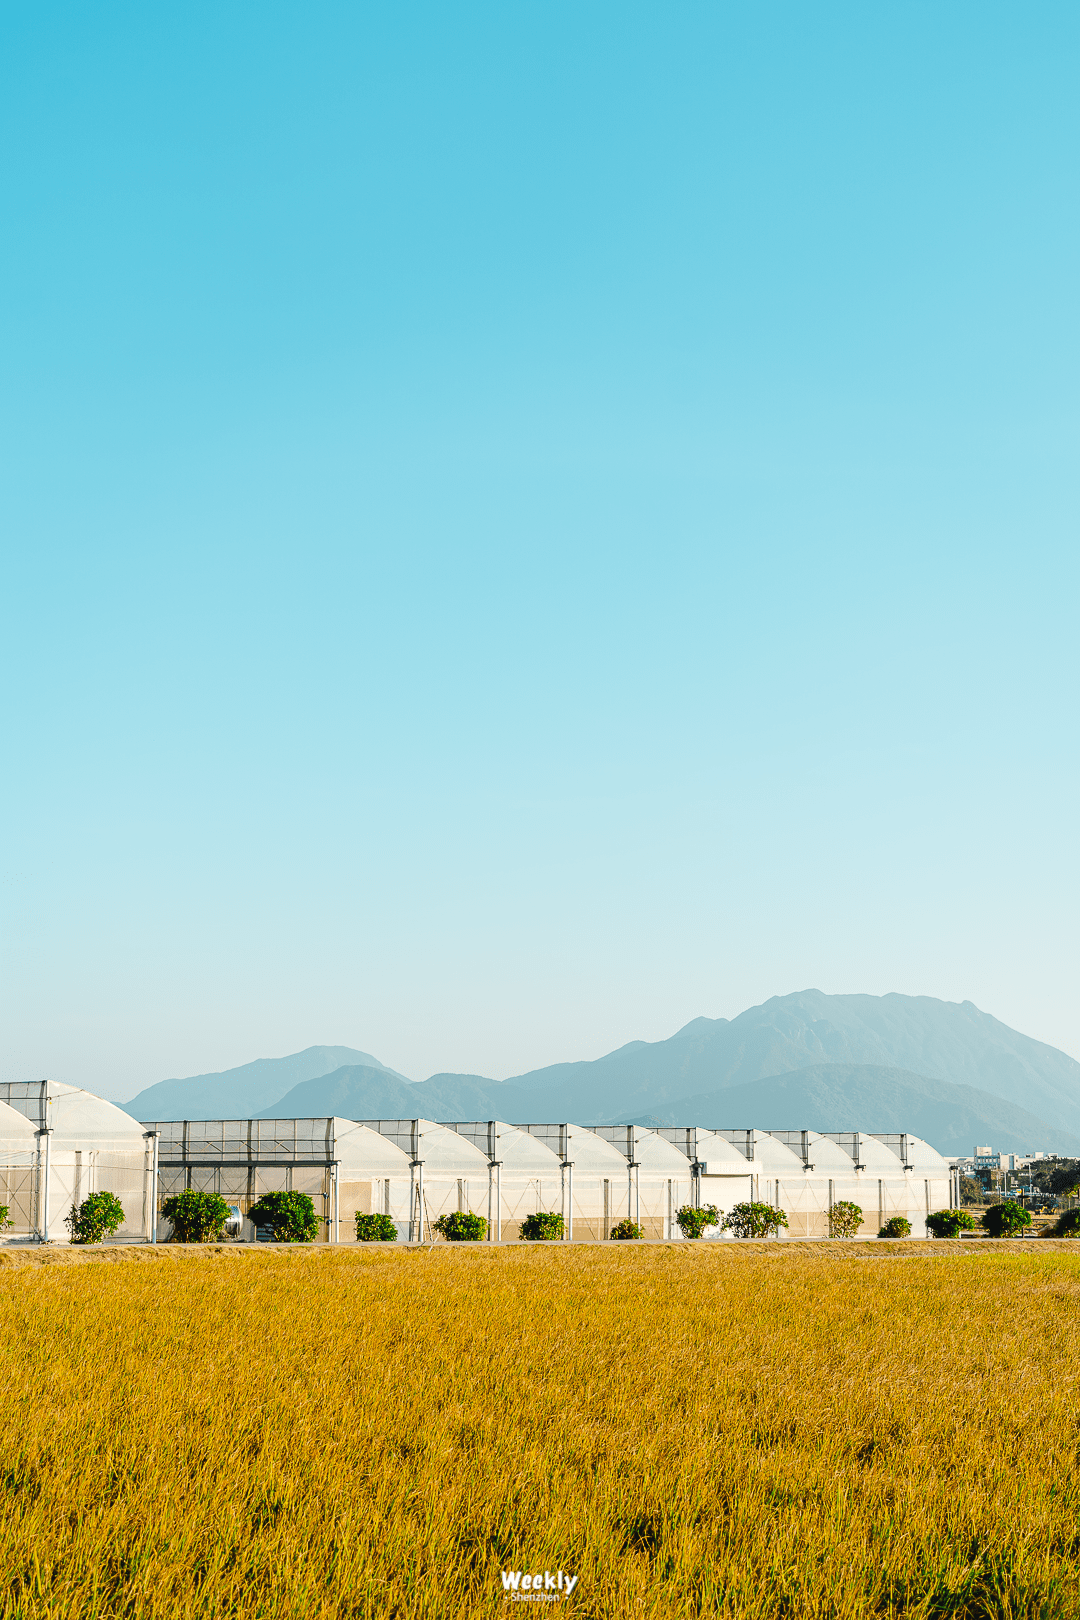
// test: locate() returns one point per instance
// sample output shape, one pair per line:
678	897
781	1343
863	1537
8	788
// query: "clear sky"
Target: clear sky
527	523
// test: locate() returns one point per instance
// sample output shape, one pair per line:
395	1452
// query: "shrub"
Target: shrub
461	1227
542	1227
1007	1219
693	1221
4	1221
896	1226
627	1229
290	1216
197	1217
949	1223
1065	1179
375	1229
845	1218
96	1218
754	1220
1066	1225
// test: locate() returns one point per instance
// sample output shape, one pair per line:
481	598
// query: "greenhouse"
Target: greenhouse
525	1175
930	1179
448	1172
343	1167
721	1174
18	1170
885	1187
597	1180
660	1179
59	1144
415	1170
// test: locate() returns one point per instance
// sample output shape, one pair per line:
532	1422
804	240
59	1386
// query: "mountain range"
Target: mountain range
943	1070
241	1093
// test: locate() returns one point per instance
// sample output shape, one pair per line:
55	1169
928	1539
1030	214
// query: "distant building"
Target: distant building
986	1159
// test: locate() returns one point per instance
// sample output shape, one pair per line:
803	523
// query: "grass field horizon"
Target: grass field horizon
829	1430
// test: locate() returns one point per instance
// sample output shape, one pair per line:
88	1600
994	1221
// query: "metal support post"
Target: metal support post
416	1227
153	1139
44	1181
494	1231
569	1200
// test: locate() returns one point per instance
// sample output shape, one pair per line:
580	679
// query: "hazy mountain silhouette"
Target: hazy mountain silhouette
991	1081
844	1097
359	1092
242	1093
941	1040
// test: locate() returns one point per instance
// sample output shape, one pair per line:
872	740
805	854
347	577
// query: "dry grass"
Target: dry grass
821	1431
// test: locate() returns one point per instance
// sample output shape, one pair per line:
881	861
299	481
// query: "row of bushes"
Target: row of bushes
197	1217
200	1217
756	1220
1007	1219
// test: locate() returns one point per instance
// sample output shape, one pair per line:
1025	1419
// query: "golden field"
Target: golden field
828	1430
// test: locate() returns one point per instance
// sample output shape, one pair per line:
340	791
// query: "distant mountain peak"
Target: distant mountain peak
698	1026
245	1091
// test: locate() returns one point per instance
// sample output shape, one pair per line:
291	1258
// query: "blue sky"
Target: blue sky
526	524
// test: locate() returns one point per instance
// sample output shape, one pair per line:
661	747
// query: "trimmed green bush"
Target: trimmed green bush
693	1221
627	1229
1066	1225
949	1223
896	1226
197	1217
375	1229
845	1218
755	1220
1007	1219
542	1227
96	1218
462	1227
290	1216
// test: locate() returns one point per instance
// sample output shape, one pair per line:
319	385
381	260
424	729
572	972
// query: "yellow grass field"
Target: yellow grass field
725	1430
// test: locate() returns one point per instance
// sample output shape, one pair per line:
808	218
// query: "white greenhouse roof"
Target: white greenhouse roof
654	1151
873	1153
443	1151
362	1153
658	1157
517	1151
772	1158
821	1152
722	1159
77	1118
588	1153
923	1159
15	1127
522	1153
